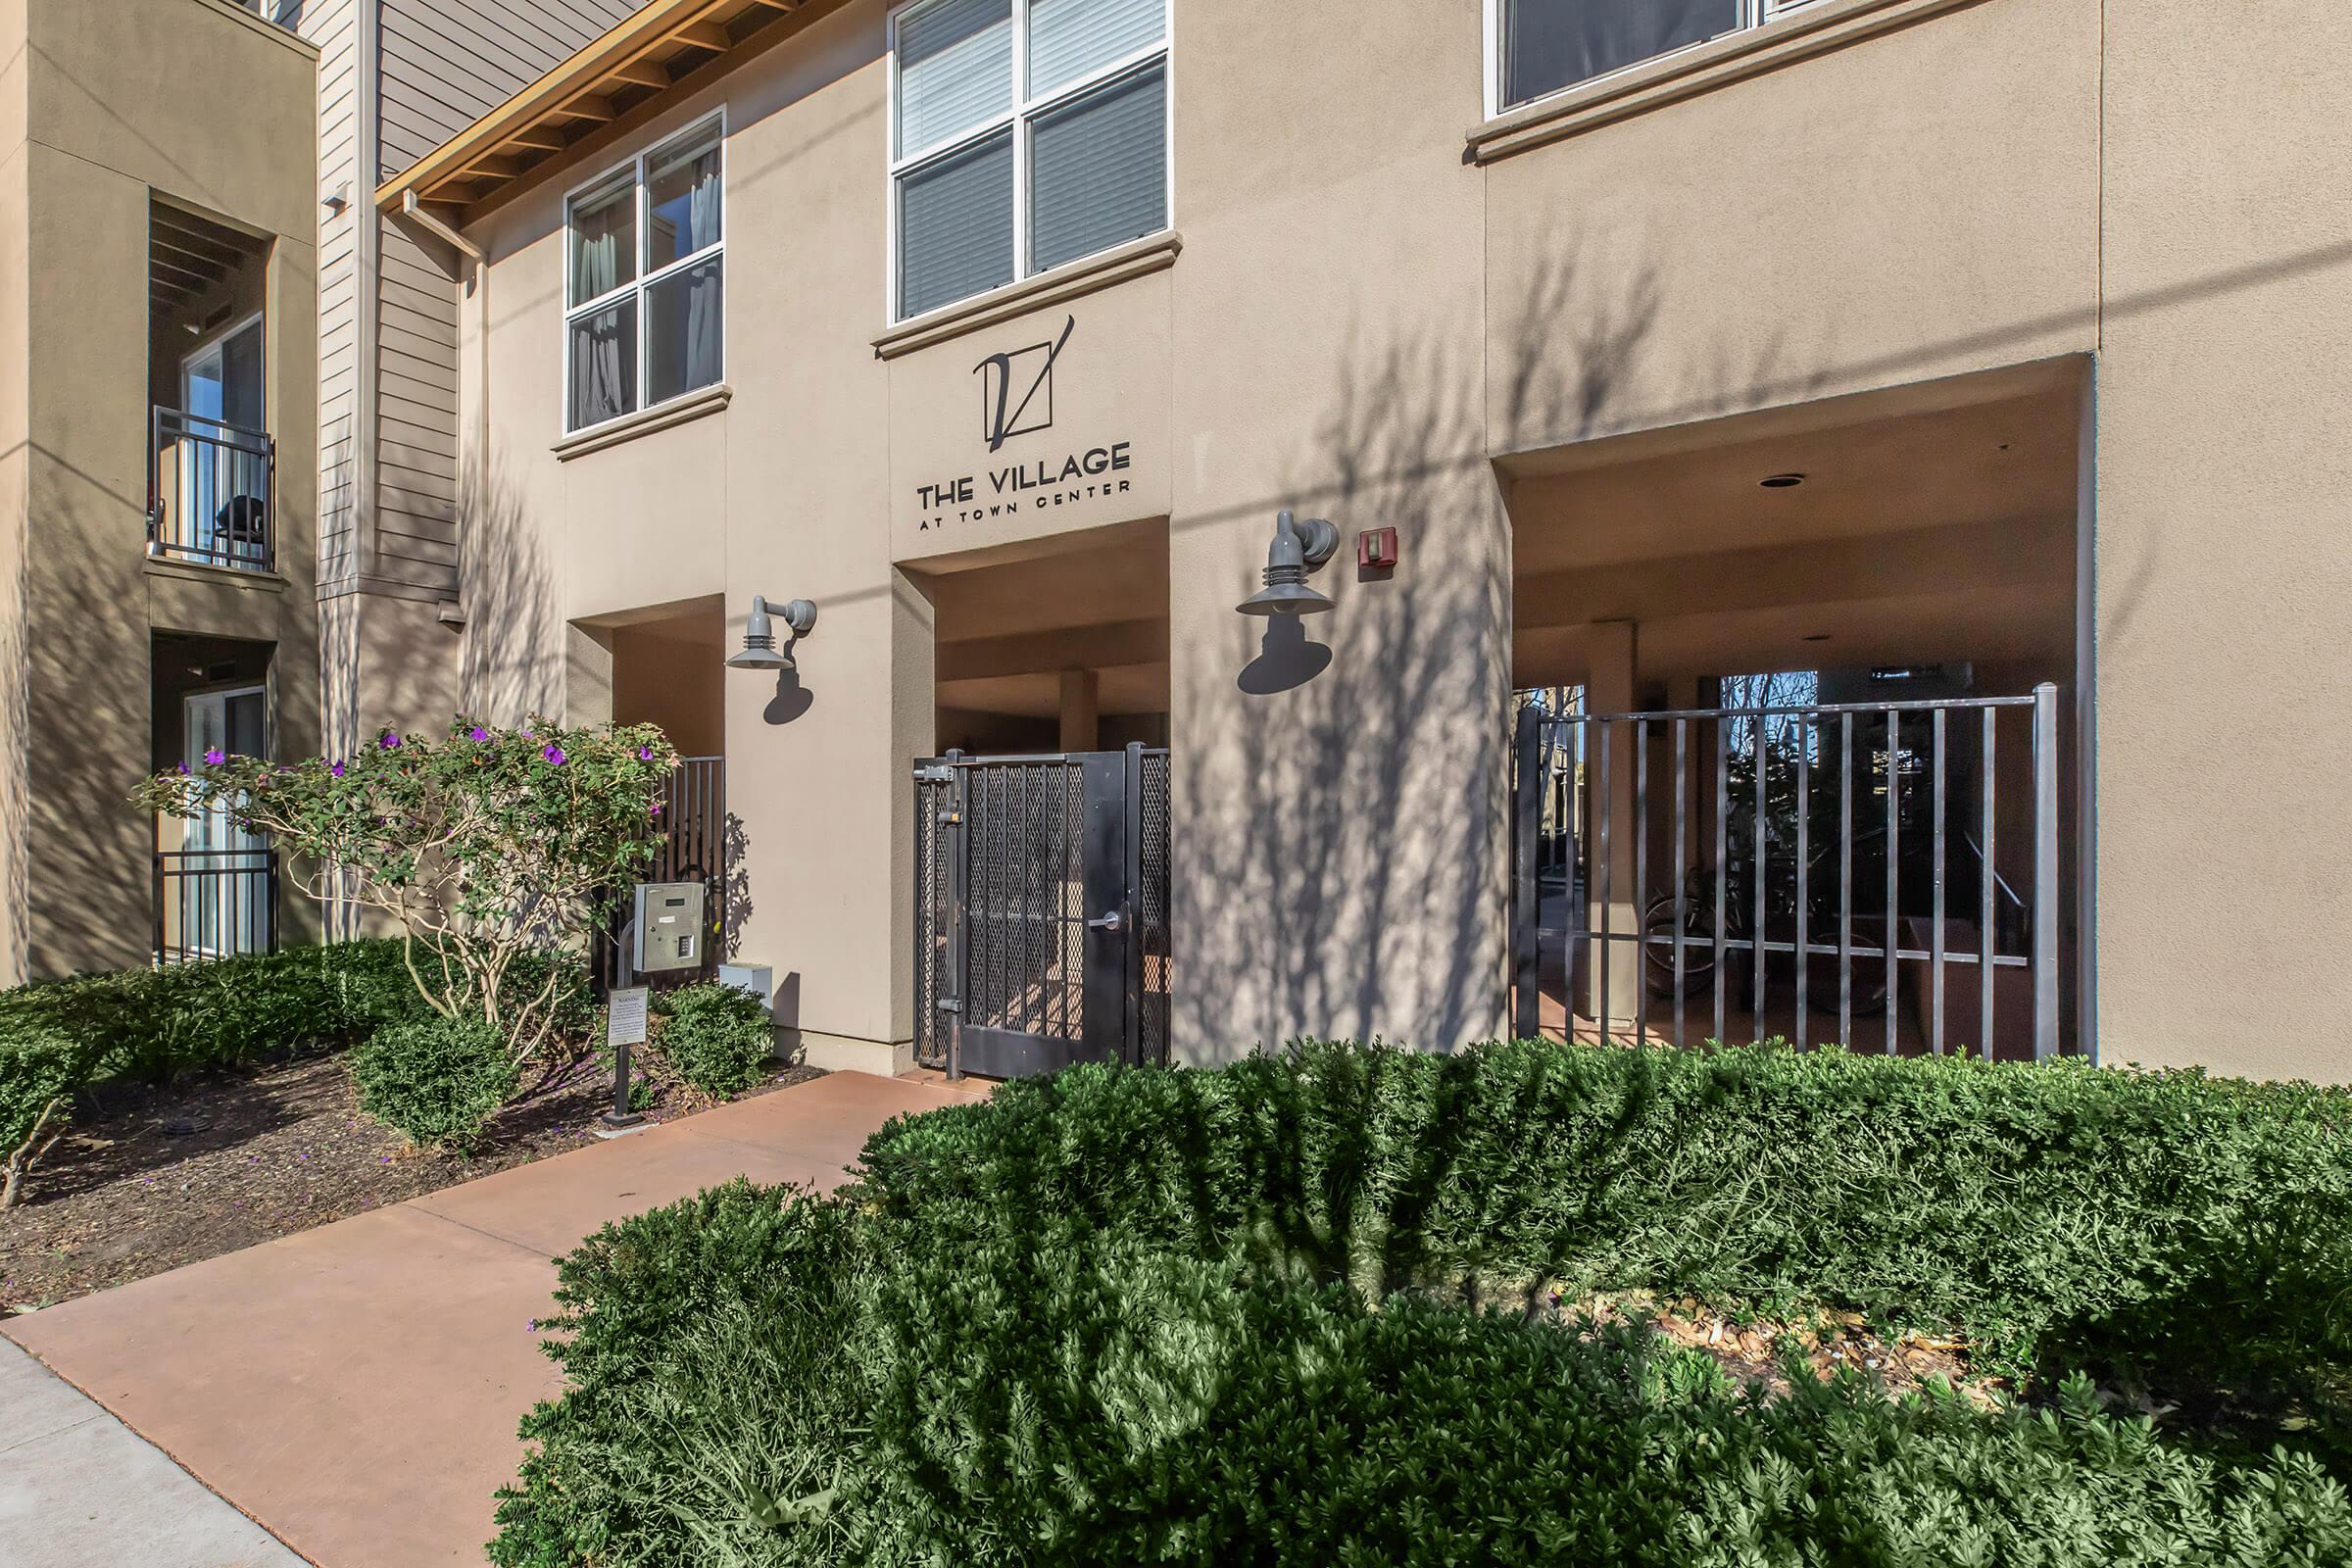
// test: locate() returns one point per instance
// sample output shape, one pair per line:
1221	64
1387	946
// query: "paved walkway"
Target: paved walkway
80	1490
356	1388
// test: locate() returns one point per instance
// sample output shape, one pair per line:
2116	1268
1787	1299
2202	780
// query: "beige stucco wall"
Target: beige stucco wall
2224	566
1359	321
120	101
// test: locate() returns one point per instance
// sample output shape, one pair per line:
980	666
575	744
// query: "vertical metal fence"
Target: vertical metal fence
212	492
213	904
1881	874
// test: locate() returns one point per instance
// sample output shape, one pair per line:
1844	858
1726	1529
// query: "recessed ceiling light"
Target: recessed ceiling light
1782	481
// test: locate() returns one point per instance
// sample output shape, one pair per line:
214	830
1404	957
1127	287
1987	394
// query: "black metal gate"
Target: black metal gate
1040	910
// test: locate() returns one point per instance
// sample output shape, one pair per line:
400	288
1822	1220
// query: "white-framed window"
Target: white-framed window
645	280
1023	134
1538	47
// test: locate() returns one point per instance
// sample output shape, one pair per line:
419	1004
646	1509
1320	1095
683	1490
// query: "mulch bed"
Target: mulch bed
155	1176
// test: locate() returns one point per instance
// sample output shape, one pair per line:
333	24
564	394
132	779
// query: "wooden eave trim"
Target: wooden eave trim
650	42
482	196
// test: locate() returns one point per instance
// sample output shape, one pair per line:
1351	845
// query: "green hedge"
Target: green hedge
2060	1215
1273	1314
227	1013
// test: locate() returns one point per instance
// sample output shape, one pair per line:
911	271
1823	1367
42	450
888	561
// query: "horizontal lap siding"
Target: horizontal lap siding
445	62
333	25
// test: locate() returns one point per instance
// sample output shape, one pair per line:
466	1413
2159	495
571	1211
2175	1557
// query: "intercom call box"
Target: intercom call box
672	922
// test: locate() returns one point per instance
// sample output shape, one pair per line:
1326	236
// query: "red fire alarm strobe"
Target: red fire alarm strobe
1376	549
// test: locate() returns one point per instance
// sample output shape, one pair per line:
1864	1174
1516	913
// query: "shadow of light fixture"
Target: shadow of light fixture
760	650
1299	548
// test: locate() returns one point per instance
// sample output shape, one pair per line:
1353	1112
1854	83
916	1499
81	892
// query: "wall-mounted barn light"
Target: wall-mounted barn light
760	650
1299	548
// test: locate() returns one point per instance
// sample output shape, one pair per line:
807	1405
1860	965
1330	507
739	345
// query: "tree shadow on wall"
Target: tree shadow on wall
1345	826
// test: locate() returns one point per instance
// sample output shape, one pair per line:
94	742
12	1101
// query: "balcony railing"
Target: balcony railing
212	492
215	904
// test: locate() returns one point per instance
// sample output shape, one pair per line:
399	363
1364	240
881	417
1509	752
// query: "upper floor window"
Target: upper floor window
644	284
1545	45
1024	133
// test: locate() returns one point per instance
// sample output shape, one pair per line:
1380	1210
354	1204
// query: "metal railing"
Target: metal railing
213	904
212	492
1789	860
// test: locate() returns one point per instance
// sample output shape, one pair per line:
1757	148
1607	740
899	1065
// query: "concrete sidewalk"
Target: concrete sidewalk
356	1388
80	1489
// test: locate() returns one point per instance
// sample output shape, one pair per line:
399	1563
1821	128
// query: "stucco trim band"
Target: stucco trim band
285	36
1816	29
1135	259
645	421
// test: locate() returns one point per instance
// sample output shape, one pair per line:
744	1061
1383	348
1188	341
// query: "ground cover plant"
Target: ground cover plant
1318	1307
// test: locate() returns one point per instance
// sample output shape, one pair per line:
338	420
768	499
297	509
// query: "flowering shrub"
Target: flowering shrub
487	847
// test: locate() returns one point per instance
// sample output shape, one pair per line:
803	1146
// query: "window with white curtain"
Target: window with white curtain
1545	45
1024	133
643	280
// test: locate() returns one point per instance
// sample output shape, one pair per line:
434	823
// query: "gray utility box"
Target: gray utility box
672	923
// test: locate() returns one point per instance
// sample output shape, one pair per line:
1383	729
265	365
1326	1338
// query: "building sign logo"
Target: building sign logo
1016	398
1030	372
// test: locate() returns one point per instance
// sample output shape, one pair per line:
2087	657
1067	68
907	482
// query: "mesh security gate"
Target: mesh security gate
1041	905
1881	874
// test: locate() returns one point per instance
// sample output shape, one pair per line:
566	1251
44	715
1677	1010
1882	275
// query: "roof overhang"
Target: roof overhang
619	79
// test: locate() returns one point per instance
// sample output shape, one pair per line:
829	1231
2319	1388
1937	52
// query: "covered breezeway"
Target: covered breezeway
1783	768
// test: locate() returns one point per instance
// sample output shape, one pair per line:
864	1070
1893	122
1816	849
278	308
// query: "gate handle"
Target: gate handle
1107	922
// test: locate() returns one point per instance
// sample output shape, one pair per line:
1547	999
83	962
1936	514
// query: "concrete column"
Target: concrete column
1609	689
1081	694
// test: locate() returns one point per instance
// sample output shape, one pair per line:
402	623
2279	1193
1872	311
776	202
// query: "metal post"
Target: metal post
957	878
1527	833
1133	908
2046	871
623	972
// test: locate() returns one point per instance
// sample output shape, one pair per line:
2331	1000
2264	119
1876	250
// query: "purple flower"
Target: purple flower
477	733
214	757
390	741
183	767
337	771
656	810
645	754
553	753
528	734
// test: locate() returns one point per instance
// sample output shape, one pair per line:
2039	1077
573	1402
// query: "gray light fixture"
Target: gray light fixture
760	650
1299	548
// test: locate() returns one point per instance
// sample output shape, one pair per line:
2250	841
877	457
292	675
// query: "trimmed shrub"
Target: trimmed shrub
712	1388
2059	1214
436	1081
718	1038
226	1013
40	1067
1278	1313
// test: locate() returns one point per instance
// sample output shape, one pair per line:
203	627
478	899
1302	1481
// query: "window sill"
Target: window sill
1817	30
645	421
1138	256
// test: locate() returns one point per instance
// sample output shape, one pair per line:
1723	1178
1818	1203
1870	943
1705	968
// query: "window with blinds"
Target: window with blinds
643	280
1546	45
1024	133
